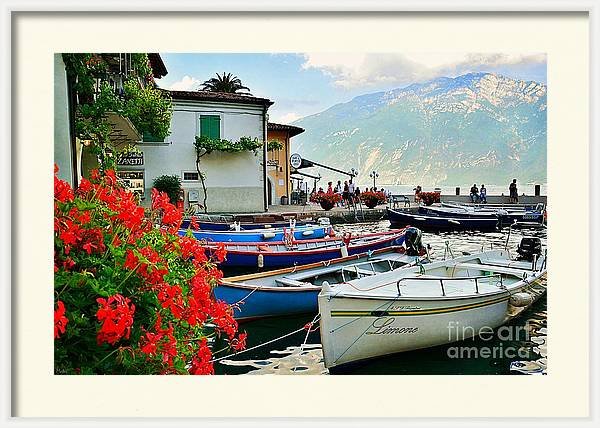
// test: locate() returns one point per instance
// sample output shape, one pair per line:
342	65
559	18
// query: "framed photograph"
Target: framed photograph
330	212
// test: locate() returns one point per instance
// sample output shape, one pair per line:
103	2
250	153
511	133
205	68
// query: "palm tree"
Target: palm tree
225	83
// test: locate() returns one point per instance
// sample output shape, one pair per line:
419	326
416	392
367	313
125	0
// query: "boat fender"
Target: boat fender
346	238
331	232
308	233
268	235
325	287
521	299
344	251
324	221
260	261
267	226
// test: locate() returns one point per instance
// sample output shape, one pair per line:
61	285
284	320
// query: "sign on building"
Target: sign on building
131	159
133	180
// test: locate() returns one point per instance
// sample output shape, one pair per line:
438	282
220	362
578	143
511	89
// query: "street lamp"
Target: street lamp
374	176
353	172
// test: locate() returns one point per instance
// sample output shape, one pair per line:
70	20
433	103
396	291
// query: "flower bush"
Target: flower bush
131	296
331	198
372	199
429	198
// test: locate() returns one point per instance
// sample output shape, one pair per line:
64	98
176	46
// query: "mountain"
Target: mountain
476	128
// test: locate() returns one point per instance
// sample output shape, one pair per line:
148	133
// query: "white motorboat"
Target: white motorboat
428	305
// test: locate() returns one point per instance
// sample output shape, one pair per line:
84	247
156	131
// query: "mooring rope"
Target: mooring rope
307	326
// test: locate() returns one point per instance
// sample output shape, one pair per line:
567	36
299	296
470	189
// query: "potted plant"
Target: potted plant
430	198
169	184
326	200
372	199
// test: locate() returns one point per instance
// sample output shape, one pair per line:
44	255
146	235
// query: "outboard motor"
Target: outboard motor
528	247
412	240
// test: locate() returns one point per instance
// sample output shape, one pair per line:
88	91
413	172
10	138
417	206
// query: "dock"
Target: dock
339	215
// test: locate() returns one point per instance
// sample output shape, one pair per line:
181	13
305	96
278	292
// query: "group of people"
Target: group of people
478	195
349	192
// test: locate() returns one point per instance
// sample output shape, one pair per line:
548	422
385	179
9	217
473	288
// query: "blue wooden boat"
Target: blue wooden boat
278	254
294	290
435	223
231	225
267	235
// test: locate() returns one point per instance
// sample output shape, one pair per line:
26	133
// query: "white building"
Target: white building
235	181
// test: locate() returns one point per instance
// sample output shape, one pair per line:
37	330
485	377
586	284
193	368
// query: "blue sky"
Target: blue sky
307	83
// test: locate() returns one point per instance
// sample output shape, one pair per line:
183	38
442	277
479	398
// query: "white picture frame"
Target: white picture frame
14	195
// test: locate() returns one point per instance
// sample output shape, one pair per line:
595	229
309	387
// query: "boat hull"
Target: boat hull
398	325
223	226
252	303
429	223
301	233
241	258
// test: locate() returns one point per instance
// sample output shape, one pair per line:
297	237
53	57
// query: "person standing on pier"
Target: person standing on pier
346	194
329	188
338	190
514	195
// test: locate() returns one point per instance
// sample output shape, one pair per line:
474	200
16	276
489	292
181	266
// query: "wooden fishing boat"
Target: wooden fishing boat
294	290
282	254
507	215
426	305
434	223
230	224
270	235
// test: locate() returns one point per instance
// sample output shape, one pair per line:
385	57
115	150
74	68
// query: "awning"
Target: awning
123	131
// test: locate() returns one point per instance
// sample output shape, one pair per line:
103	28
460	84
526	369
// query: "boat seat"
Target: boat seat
265	248
290	282
495	269
359	271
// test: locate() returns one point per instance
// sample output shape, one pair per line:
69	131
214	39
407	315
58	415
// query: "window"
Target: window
148	137
190	176
210	126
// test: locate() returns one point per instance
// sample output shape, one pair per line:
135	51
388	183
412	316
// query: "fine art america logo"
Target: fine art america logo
503	342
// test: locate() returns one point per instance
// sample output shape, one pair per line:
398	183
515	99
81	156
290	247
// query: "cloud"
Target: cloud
375	69
186	84
288	118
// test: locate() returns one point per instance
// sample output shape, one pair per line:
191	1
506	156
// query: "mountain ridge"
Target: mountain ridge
471	128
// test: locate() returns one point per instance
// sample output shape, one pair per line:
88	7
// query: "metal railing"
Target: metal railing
441	281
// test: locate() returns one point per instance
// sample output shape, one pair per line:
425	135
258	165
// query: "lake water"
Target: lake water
520	350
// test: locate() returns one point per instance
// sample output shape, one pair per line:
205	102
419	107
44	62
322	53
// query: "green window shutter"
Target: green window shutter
210	126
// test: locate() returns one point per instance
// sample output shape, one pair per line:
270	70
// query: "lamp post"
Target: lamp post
374	176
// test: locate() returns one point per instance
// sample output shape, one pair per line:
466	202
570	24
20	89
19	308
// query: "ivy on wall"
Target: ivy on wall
148	108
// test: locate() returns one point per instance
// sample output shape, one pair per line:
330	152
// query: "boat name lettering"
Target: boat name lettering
404	308
385	326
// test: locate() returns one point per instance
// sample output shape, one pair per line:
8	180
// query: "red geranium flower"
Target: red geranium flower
116	316
60	320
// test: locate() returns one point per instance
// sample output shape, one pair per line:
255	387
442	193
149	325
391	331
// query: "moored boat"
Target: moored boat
282	254
418	307
271	235
294	290
230	224
434	223
507	214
